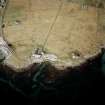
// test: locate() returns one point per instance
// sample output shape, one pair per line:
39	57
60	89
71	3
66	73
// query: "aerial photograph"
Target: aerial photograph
52	52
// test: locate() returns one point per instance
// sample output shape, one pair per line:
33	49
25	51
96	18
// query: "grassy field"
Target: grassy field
75	29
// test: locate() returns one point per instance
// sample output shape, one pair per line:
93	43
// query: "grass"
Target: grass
74	29
14	13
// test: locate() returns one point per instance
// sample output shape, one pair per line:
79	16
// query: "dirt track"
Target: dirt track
28	21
